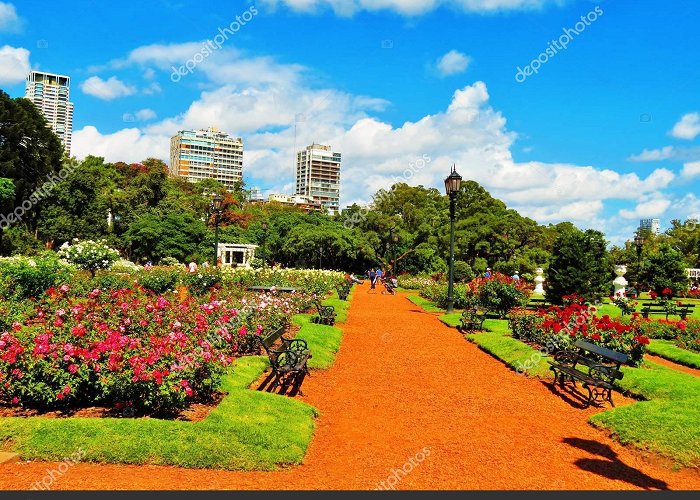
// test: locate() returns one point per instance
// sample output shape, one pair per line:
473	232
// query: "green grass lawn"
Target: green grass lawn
614	312
424	304
248	430
669	350
667	423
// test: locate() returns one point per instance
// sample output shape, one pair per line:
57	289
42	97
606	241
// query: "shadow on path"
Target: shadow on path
612	467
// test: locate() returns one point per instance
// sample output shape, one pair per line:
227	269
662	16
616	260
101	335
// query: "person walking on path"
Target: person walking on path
372	279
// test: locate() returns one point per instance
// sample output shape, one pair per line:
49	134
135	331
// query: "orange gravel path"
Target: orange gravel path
404	382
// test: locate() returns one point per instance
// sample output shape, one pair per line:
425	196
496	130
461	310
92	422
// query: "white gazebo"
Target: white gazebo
235	254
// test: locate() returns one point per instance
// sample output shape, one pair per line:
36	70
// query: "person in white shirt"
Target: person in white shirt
193	267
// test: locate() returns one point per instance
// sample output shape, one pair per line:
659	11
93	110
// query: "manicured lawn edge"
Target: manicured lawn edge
323	340
667	349
248	430
424	304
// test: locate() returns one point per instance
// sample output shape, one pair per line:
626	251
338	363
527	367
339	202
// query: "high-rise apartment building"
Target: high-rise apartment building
51	94
207	154
318	175
653	225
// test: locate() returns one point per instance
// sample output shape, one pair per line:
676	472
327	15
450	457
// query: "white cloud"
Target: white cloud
688	127
452	63
145	114
106	89
408	7
691	170
14	65
9	20
664	153
129	145
646	209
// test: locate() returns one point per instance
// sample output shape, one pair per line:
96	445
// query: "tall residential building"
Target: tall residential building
653	225
318	175
50	93
207	154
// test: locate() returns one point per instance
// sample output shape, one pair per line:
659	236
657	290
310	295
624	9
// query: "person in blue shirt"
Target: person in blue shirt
516	277
487	274
372	278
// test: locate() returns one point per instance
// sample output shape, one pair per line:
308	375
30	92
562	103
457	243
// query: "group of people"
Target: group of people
380	276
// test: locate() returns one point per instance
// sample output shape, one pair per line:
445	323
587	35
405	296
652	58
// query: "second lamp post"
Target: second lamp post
452	185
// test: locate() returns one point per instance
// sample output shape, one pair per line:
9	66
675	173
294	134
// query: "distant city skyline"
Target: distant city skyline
595	134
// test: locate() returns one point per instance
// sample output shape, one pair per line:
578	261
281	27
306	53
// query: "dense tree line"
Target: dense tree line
148	215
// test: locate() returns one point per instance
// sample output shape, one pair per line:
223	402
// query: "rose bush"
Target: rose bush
563	326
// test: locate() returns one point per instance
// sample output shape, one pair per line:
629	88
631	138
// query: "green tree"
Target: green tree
155	235
580	266
665	268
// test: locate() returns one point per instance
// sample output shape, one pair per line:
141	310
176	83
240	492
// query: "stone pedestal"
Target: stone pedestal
620	282
539	280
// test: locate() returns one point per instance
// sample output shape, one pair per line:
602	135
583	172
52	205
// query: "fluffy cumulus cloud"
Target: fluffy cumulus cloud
688	127
108	89
277	116
9	20
452	63
406	7
14	65
691	170
651	208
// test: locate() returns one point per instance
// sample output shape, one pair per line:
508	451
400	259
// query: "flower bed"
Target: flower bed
156	353
498	294
686	333
561	327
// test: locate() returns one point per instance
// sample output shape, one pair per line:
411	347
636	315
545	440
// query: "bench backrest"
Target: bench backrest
617	357
269	340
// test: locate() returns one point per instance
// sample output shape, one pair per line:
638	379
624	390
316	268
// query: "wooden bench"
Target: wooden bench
682	310
326	314
472	319
537	304
289	360
344	290
600	367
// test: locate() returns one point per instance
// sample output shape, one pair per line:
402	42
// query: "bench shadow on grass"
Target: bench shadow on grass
569	394
285	388
610	466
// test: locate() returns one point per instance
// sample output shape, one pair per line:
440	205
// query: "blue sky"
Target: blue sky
607	130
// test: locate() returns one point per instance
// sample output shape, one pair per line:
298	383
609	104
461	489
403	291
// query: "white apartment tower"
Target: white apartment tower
653	225
207	154
318	176
50	93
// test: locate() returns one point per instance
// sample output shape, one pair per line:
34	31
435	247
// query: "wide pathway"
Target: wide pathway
410	404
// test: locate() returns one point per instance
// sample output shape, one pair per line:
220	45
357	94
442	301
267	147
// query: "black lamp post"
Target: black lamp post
452	185
264	245
216	206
